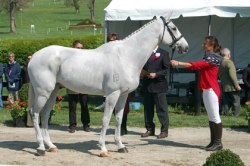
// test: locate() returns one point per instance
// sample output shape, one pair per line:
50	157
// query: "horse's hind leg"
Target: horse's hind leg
110	103
44	120
38	104
119	108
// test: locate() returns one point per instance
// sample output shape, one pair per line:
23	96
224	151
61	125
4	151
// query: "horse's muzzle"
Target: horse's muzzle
182	50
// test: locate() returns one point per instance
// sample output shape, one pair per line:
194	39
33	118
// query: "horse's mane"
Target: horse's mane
138	30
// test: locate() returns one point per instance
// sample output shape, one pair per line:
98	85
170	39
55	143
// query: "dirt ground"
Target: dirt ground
182	147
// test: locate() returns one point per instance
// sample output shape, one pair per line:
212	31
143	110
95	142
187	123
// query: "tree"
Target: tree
91	6
11	7
12	11
76	5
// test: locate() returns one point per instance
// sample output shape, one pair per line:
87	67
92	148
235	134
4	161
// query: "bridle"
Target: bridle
174	39
172	45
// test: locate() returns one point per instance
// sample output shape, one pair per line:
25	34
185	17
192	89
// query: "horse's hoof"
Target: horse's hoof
104	154
123	150
55	149
40	152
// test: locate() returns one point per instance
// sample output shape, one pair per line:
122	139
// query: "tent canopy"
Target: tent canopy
230	22
119	10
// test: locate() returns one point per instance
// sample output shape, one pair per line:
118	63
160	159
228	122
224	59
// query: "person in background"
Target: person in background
12	72
25	75
229	84
154	85
112	37
208	83
1	85
26	80
246	80
73	98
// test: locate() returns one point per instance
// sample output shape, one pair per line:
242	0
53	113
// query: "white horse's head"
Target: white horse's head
172	36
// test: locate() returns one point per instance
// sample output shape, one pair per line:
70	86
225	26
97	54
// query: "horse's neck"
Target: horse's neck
140	45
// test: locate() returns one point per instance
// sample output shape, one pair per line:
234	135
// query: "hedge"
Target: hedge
23	48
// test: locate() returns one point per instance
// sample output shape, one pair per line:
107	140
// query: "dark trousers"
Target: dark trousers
247	93
83	100
231	100
160	101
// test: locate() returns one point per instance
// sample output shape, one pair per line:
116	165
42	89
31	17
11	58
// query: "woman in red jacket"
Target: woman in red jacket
208	83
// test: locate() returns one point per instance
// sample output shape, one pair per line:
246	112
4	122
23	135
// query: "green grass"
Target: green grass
46	15
136	118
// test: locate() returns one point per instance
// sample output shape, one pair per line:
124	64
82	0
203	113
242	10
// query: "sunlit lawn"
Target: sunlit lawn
136	118
48	17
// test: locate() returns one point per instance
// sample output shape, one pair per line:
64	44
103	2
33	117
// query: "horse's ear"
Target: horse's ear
168	15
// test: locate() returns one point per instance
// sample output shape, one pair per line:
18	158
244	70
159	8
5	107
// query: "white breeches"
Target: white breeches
211	103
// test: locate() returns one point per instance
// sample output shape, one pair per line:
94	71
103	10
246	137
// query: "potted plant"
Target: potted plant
18	111
57	106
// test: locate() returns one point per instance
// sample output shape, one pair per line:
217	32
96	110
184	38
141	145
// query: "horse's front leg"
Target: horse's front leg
119	109
110	103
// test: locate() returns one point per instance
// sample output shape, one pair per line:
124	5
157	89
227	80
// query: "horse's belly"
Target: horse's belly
84	85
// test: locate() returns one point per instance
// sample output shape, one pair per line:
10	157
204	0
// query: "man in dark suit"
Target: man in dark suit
155	87
73	98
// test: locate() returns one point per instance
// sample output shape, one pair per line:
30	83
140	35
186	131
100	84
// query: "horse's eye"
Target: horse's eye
174	28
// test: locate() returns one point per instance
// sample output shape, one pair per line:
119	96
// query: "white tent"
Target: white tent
230	22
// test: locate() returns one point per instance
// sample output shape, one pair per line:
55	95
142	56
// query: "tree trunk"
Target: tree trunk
76	5
92	10
12	16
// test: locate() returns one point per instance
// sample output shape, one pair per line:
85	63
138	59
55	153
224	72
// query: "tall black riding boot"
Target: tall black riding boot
124	125
211	126
217	138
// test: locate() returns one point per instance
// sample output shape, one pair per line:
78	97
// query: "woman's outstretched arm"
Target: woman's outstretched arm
175	63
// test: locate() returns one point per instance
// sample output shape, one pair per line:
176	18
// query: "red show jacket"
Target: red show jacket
208	77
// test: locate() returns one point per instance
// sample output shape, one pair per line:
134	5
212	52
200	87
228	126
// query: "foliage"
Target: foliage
89	22
224	158
247	111
74	3
91	6
57	106
4	5
23	92
135	118
22	48
18	109
48	16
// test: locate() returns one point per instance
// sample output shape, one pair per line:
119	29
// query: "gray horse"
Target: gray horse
111	70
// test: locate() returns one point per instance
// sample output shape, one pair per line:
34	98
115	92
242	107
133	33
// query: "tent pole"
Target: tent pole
209	25
106	30
233	38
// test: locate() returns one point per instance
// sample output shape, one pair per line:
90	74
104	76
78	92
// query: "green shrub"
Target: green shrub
23	48
224	158
23	92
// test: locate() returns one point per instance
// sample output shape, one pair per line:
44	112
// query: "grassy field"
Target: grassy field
47	17
136	119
